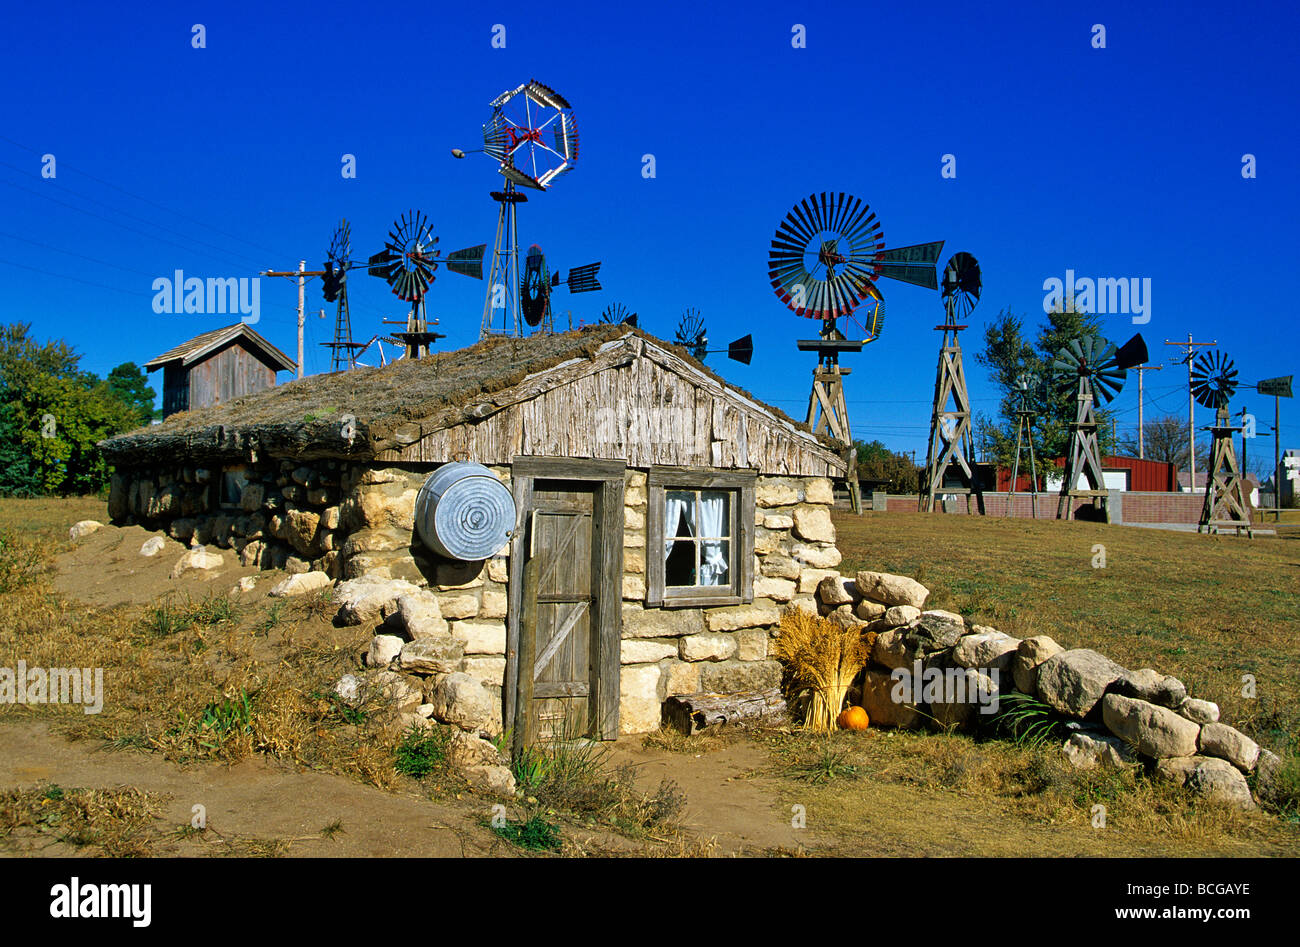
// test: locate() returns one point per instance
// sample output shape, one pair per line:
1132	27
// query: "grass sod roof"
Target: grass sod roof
306	417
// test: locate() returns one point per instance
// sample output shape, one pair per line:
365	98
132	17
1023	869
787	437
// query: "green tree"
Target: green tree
878	462
52	415
130	385
1007	353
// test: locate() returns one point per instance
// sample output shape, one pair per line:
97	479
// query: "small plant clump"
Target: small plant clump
534	834
420	752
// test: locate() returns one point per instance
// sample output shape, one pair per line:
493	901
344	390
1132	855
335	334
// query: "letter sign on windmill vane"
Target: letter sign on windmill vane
825	258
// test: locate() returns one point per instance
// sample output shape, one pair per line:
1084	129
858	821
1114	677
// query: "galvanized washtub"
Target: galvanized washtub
464	512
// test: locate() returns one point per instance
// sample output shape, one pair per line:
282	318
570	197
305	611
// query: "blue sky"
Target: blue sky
224	161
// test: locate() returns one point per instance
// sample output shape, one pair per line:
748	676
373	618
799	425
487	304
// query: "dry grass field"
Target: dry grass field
204	683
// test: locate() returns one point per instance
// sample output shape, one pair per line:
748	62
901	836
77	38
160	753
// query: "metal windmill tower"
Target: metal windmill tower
538	285
533	136
1026	383
1096	370
823	263
343	351
1214	381
951	438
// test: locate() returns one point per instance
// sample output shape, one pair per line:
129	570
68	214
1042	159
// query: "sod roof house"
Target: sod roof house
658	517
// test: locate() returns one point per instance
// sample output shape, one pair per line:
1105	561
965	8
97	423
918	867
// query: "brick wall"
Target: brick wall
1136	507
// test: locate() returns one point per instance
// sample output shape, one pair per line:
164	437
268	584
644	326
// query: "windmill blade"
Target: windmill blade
582	279
467	262
741	350
1133	352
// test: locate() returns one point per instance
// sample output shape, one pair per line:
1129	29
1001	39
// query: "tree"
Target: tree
1007	354
878	462
129	384
1165	440
52	415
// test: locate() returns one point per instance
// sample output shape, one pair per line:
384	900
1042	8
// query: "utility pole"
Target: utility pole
1141	399
301	274
1190	346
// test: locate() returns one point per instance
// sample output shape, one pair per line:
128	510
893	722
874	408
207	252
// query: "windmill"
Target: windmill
617	314
1214	381
1025	385
951	437
823	263
1096	370
533	136
694	337
538	284
343	351
407	263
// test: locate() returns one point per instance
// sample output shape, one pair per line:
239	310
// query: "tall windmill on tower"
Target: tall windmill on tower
1026	384
1214	380
533	136
951	437
823	263
343	351
1096	370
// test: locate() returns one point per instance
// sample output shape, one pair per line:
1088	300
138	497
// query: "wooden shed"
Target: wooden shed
662	518
217	367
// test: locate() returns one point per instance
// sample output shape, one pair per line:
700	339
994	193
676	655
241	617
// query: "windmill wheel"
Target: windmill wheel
409	257
533	134
337	261
821	257
961	285
616	313
691	334
535	287
1214	379
1092	358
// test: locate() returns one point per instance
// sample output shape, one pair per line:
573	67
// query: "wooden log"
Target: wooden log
691	713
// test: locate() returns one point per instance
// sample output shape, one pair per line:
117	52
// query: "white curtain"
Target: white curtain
713	515
674	506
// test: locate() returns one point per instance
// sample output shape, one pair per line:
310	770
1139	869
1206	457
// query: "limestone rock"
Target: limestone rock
246	583
370	598
488	669
778	590
813	524
832	591
778	521
383	648
1153	687
83	528
458	604
633	588
779	567
682	677
641	622
818	490
1219	739
892	589
394	688
896	616
462	701
878	690
480	763
481	637
300	584
707	647
775	493
1088	750
732	677
1176	769
639	707
987	650
868	610
432	655
1268	770
642	651
421	615
1072	682
348	689
152	546
809	579
196	560
1199	711
1154	731
819	556
458	576
734	617
751	644
1221	781
1030	655
891	650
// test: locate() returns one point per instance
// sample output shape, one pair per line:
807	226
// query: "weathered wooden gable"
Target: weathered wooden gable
632	401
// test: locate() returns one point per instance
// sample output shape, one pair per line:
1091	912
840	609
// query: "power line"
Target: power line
75	279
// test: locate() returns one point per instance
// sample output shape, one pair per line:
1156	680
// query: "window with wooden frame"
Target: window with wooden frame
699	537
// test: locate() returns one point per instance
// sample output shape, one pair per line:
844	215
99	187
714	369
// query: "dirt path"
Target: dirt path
255	800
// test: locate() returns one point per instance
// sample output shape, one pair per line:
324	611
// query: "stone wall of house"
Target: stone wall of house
669	652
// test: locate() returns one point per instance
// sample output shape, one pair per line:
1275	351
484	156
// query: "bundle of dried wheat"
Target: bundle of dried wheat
823	659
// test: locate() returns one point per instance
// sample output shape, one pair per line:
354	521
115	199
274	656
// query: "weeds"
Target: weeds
1027	721
535	834
168	617
20	561
421	751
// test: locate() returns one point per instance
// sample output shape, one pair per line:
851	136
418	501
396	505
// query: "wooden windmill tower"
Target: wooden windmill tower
1227	506
1096	370
951	440
823	263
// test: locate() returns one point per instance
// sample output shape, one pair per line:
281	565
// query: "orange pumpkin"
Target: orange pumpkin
853	718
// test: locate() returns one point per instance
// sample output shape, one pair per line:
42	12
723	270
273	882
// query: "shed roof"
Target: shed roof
364	411
203	345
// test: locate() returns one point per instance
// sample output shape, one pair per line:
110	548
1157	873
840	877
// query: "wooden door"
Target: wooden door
559	608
